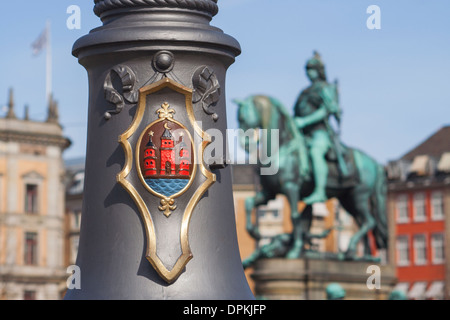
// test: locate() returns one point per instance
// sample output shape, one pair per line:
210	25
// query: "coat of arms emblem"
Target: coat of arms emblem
162	164
165	158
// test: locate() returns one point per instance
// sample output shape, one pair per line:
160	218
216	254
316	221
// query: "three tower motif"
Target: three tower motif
171	160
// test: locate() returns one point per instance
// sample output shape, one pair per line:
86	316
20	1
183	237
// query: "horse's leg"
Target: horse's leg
291	190
252	229
367	247
359	221
360	207
251	203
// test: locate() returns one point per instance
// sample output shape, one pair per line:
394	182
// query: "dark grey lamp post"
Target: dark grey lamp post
158	217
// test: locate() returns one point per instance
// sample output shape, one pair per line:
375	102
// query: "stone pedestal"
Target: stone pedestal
307	279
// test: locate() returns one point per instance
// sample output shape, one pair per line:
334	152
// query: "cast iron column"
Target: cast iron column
158	217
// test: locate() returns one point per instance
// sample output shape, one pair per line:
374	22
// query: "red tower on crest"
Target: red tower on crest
168	166
150	158
185	159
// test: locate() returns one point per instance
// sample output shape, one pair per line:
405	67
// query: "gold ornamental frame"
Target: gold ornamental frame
151	251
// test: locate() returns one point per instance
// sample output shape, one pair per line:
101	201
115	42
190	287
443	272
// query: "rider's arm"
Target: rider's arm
329	106
317	116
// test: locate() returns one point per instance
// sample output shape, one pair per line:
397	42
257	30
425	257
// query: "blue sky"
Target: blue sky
394	82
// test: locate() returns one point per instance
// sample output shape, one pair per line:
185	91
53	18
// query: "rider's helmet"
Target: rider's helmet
317	64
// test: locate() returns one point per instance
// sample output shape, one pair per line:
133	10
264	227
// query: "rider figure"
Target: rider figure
312	110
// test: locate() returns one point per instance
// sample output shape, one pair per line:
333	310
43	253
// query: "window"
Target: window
77	185
383	255
437	248
402	209
149	163
268	214
420	249
419	207
75	241
403	251
76	219
149	153
184	153
437	206
269	220
31	198
30	257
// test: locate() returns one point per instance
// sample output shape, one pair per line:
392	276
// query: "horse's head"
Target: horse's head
248	114
249	119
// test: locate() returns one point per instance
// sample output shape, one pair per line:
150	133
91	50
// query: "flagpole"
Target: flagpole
48	89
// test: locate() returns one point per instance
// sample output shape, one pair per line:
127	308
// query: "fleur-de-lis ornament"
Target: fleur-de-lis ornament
167	205
164	112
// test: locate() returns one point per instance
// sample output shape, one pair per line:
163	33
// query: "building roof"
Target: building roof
75	176
33	132
75	164
183	144
434	146
150	143
167	135
426	164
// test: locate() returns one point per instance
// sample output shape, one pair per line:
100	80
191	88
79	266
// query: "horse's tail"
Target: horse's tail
378	206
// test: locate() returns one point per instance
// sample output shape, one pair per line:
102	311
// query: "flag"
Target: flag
40	43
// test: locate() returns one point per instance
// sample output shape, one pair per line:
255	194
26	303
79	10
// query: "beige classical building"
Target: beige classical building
31	206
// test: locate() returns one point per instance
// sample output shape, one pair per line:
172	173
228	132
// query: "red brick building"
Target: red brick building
419	210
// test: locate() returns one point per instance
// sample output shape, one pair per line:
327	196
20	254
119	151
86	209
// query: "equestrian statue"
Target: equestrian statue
313	166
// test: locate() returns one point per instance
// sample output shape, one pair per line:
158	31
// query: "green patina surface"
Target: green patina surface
314	165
